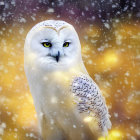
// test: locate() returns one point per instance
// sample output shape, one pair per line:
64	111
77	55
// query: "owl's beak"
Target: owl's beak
57	56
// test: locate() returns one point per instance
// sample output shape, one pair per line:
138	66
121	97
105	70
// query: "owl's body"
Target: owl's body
52	62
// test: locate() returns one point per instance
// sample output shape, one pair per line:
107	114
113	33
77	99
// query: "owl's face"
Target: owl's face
54	48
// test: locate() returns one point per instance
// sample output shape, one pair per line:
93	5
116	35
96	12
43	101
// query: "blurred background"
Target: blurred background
109	31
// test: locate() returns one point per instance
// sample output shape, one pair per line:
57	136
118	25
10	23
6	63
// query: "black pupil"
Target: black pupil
66	44
47	43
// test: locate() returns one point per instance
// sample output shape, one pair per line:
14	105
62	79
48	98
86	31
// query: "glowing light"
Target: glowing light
64	77
60	76
110	58
101	138
88	119
116	133
113	135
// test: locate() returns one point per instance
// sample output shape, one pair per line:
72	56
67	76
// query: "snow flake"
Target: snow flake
33	18
127	73
2	127
74	126
107	25
21	30
116	115
17	77
137	131
15	129
13	2
2	3
10	63
97	77
22	20
50	10
133	138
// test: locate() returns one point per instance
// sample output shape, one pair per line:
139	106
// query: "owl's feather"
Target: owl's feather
90	100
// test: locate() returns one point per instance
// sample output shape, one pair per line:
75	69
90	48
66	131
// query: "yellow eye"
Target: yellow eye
47	44
66	44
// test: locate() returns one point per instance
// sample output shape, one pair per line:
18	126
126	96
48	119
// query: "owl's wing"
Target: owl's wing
90	100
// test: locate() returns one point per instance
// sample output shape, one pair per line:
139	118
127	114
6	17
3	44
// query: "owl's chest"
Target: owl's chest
55	94
52	90
56	87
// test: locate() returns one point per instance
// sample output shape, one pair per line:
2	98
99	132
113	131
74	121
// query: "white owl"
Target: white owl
68	102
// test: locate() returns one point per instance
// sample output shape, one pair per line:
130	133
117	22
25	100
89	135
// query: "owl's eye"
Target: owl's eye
66	44
46	44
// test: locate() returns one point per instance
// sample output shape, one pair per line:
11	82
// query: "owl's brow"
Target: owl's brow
55	29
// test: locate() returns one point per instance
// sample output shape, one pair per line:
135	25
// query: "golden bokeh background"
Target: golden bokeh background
111	54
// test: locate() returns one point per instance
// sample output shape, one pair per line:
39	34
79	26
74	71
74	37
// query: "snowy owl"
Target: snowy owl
68	102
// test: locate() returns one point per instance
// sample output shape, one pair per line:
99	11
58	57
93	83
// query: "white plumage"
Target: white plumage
52	61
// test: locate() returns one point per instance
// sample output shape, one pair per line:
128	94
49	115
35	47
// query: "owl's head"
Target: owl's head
52	45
